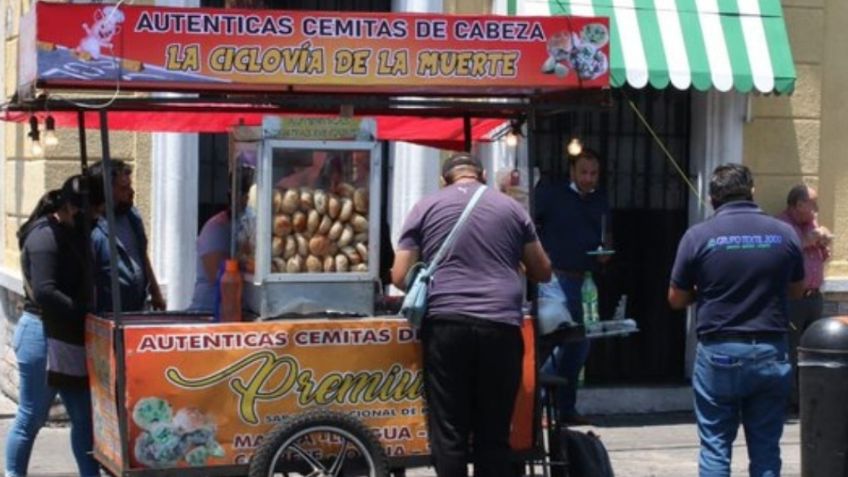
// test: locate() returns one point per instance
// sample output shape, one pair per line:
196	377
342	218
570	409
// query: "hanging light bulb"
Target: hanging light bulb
514	133
575	147
511	139
36	148
50	138
35	135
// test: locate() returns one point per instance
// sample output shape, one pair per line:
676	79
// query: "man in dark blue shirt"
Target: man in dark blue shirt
135	273
572	217
739	267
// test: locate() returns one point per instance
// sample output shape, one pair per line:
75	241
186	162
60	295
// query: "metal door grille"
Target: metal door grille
649	202
635	171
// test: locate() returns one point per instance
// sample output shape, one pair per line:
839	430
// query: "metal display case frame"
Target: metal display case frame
345	293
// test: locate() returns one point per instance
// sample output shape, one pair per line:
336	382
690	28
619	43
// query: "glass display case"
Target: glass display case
315	244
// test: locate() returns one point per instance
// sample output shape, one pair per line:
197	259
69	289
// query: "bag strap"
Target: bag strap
451	238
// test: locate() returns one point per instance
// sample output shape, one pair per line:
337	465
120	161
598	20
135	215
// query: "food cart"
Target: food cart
322	380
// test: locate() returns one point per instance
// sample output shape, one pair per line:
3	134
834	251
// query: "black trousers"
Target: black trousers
472	370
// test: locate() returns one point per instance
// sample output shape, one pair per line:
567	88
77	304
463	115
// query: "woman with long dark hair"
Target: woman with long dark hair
49	337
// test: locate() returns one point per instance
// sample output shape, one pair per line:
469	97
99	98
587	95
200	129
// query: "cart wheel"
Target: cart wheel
320	444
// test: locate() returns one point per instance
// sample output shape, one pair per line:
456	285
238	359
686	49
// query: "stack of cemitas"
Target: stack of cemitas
318	231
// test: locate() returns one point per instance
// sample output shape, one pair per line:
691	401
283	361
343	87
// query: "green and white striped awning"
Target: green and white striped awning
724	44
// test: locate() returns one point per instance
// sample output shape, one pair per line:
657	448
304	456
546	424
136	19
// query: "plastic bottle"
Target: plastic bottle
230	286
589	295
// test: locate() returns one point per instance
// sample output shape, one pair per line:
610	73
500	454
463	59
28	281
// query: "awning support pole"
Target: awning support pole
120	355
466	131
110	217
86	204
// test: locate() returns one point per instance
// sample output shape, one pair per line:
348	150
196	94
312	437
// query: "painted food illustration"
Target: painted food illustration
595	34
579	52
168	438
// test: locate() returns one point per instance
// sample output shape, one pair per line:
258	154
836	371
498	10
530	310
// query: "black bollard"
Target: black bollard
823	367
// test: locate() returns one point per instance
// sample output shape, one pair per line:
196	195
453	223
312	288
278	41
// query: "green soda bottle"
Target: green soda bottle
589	297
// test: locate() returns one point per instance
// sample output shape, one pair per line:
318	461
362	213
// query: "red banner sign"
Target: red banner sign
96	45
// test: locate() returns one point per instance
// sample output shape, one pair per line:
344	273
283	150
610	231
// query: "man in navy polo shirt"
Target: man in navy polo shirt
570	216
740	266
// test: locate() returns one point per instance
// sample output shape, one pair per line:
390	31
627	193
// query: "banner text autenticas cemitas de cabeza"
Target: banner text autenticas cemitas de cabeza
96	45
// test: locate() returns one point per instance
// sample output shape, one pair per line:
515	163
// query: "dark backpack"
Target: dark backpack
585	454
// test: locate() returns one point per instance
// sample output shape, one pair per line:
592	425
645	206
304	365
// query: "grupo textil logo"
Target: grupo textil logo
744	242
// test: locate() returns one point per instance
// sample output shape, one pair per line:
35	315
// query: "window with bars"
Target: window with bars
649	201
636	173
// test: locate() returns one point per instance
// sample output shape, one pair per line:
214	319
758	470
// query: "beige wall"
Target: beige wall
801	138
468	7
27	178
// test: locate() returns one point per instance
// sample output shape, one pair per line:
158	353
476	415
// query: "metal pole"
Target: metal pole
466	129
110	217
86	208
531	157
235	195
120	356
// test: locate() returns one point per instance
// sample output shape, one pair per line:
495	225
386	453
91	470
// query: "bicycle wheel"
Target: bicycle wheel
320	443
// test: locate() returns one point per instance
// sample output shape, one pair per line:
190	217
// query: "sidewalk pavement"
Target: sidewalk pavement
650	445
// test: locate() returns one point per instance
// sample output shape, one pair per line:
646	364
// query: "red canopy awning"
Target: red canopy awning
442	133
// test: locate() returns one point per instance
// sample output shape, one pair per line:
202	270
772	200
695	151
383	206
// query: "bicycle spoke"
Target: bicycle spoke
340	460
316	466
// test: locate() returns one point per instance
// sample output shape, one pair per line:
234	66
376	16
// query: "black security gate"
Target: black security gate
649	202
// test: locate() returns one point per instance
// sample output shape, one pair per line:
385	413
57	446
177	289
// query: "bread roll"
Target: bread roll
314	264
359	223
333	207
291	199
346	210
282	225
299	221
361	267
346	238
361	237
335	230
329	264
294	264
302	245
352	256
324	226
342	264
277	246
319	245
345	190
306	200
290	250
362	250
278	265
320	199
312	221
360	200
277	201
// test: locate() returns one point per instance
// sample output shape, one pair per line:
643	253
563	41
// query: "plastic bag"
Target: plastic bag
553	309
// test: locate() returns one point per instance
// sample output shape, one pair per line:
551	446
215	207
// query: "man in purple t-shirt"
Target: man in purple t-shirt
471	336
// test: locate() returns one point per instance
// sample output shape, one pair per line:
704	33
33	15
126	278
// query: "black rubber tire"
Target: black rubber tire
263	459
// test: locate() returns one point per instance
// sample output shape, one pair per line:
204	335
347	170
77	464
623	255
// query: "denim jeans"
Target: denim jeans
747	382
569	358
34	401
